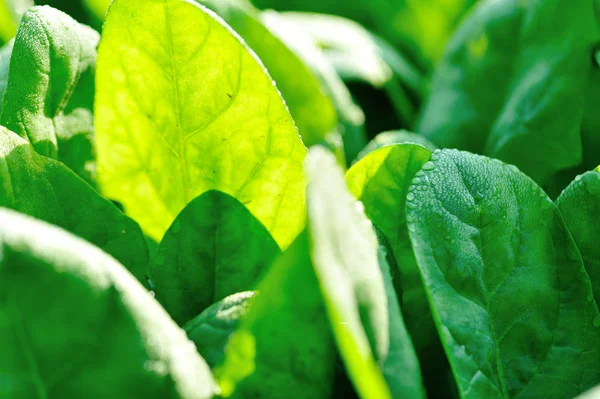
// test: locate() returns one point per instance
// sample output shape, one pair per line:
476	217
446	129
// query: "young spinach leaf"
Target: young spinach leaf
508	289
214	248
312	110
191	109
513	79
395	137
46	189
211	329
50	102
579	204
74	323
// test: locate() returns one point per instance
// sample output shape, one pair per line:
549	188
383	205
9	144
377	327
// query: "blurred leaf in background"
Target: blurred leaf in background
422	27
10	15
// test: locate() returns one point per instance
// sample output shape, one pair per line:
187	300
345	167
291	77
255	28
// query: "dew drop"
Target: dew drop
417	180
152	294
590	298
428	165
410	197
412	227
578	178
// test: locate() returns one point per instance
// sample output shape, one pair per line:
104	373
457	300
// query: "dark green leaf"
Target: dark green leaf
508	289
214	248
48	190
50	101
512	84
75	324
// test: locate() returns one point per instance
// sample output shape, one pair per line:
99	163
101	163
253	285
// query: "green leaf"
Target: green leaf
328	282
422	26
344	251
357	57
75	324
50	102
312	110
5	53
211	329
381	181
509	292
48	190
284	343
395	137
534	91
350	116
10	15
579	204
191	110
214	248
401	369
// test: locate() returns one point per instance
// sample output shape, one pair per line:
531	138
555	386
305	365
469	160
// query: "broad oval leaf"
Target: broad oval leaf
535	91
214	248
50	102
211	329
508	289
75	324
191	110
46	189
312	110
579	204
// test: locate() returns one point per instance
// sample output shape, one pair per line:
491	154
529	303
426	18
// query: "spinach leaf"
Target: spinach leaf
214	248
46	189
395	137
357	57
50	102
579	204
423	26
312	110
284	343
508	289
211	329
381	181
351	117
10	15
75	324
401	369
192	109
513	79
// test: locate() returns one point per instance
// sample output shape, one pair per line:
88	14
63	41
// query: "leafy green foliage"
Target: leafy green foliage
191	110
536	65
415	273
214	248
491	243
50	102
46	189
99	326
